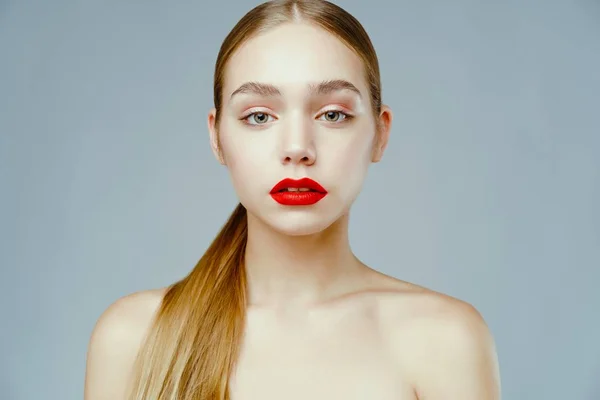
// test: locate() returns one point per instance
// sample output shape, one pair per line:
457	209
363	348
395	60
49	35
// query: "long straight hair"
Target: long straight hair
191	348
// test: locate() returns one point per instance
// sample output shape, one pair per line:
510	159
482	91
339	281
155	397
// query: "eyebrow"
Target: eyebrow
321	88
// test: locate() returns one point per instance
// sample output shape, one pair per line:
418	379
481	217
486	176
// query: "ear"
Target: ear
214	136
384	125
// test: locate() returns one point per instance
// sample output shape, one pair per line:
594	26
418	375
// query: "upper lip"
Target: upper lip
298	183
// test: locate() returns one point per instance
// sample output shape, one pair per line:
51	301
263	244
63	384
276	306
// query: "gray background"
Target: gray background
487	191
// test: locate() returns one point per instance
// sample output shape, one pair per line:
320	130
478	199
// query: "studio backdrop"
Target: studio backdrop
489	190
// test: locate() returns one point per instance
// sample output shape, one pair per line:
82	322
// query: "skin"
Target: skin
320	323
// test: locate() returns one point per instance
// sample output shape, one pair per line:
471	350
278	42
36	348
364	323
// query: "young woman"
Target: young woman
279	307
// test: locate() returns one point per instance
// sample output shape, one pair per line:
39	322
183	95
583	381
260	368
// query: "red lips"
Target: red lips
297	197
297	184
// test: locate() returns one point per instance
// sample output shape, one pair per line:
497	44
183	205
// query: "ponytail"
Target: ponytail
192	346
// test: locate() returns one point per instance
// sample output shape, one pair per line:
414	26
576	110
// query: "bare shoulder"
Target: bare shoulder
443	343
423	309
115	341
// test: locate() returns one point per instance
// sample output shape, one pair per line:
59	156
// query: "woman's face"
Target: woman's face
296	105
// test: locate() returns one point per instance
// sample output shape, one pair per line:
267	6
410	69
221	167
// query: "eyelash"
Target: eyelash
347	116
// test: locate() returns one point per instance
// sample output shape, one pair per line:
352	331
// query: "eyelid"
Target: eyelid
339	109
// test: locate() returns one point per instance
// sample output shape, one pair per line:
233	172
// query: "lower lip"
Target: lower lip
297	198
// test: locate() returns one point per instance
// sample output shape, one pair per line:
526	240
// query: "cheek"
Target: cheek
352	156
245	158
348	163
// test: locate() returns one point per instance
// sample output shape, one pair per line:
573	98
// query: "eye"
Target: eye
257	118
334	116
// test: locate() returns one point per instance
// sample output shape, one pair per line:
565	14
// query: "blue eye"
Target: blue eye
261	118
257	118
334	116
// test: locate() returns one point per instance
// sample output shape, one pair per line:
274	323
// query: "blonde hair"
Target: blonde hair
192	346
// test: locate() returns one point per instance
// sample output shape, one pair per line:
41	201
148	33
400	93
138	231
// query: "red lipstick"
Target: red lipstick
297	192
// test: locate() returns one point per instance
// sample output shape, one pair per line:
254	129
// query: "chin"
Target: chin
299	221
299	228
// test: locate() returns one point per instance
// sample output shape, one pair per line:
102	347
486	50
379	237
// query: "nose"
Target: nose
298	144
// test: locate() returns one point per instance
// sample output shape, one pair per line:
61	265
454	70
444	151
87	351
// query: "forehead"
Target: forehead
292	56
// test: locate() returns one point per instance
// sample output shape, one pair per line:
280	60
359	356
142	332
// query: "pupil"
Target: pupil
331	115
259	117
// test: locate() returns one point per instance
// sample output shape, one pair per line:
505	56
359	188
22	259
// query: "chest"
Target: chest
335	359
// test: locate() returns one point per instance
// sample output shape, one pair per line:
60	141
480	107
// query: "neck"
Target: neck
294	271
